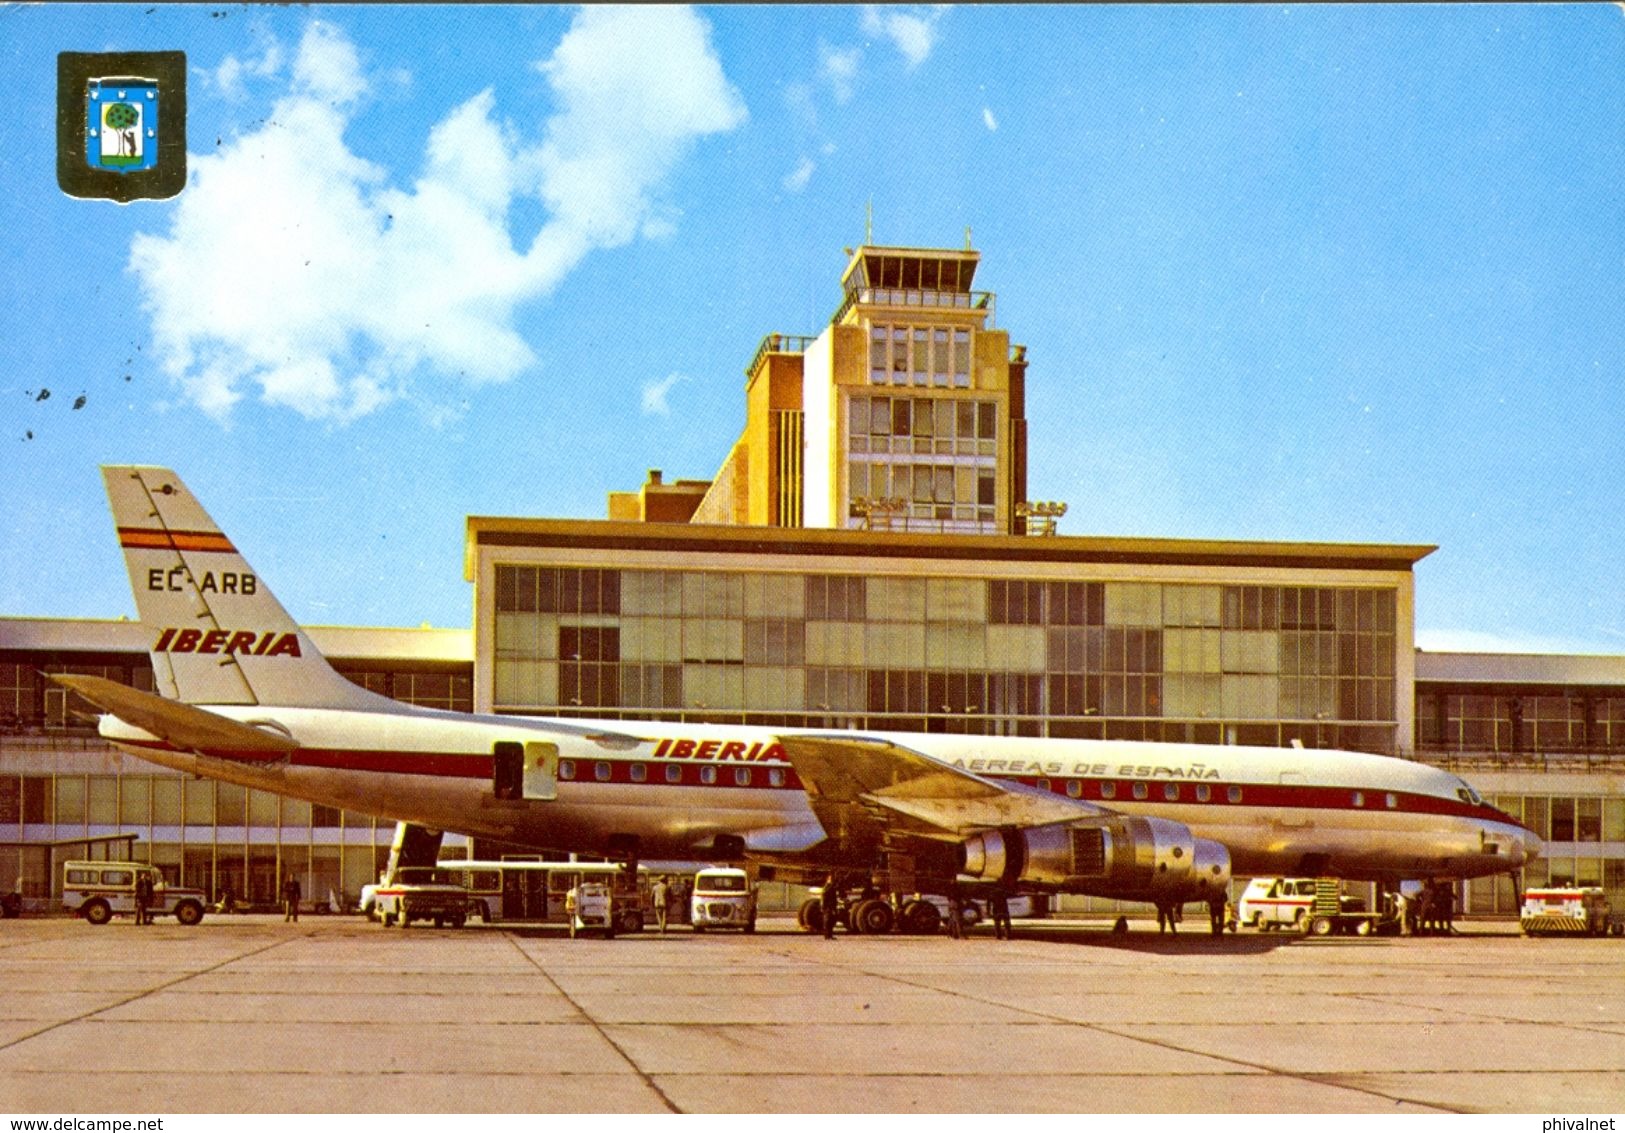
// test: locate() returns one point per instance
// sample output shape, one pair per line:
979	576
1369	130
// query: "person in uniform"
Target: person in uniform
1000	907
828	903
143	897
291	893
956	916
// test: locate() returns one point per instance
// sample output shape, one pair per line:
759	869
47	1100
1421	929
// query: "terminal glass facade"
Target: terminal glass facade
1193	662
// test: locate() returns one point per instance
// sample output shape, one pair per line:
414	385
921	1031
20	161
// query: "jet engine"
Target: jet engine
1127	856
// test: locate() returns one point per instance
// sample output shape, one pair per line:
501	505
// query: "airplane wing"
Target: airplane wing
182	725
862	788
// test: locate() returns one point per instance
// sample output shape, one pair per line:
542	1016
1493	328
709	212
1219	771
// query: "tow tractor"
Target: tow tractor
1569	911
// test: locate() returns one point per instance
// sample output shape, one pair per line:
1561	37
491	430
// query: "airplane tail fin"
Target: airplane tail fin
219	636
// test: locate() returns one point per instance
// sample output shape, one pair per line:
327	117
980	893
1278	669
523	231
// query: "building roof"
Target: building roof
1519	669
719	539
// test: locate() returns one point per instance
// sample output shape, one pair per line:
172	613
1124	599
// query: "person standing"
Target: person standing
143	897
828	903
1163	916
1000	906
956	916
659	895
291	892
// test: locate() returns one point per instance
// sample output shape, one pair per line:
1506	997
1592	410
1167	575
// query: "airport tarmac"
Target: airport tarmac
248	1014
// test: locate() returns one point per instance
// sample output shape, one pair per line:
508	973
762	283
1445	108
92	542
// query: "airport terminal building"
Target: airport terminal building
866	557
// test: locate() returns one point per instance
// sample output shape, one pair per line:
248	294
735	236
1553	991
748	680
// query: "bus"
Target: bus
533	892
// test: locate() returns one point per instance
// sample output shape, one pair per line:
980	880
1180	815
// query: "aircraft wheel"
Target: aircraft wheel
873	917
810	909
921	918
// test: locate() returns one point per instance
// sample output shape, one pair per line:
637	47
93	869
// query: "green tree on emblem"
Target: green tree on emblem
121	116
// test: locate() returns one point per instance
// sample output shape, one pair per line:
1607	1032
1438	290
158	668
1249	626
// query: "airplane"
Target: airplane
245	697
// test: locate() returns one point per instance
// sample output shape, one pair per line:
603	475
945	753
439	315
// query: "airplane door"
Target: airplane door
524	771
507	770
541	771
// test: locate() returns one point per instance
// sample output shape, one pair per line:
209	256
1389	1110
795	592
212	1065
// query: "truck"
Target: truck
418	893
1314	905
1569	911
98	891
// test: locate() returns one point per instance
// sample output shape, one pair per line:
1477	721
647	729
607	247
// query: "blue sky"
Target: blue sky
1328	273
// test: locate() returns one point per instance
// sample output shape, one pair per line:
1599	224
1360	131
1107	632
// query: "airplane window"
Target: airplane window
1359	798
1141	790
1203	792
708	774
1234	794
600	771
775	776
1393	801
1170	791
567	769
742	776
1043	784
1108	790
1074	787
674	773
640	772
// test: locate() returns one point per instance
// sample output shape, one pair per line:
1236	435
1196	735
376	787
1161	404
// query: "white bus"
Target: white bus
534	891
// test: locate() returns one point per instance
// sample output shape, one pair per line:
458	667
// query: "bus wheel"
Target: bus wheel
97	912
189	912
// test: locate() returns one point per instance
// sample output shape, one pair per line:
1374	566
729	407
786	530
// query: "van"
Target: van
1276	902
98	890
723	898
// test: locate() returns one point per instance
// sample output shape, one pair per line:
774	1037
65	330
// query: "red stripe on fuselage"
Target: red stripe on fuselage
455	765
147	538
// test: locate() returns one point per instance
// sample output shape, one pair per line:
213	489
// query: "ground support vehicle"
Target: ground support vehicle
1569	911
419	893
591	907
1335	913
98	891
723	898
1276	902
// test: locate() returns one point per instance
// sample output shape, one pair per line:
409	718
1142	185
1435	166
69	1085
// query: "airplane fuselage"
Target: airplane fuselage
673	789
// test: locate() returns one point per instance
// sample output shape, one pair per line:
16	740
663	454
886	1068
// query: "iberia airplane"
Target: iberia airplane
246	698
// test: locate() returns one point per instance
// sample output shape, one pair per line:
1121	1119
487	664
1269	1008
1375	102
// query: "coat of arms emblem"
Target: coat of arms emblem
121	128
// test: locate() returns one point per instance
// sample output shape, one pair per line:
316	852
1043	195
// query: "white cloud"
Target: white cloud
654	394
839	68
988	120
231	74
796	180
912	30
295	269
